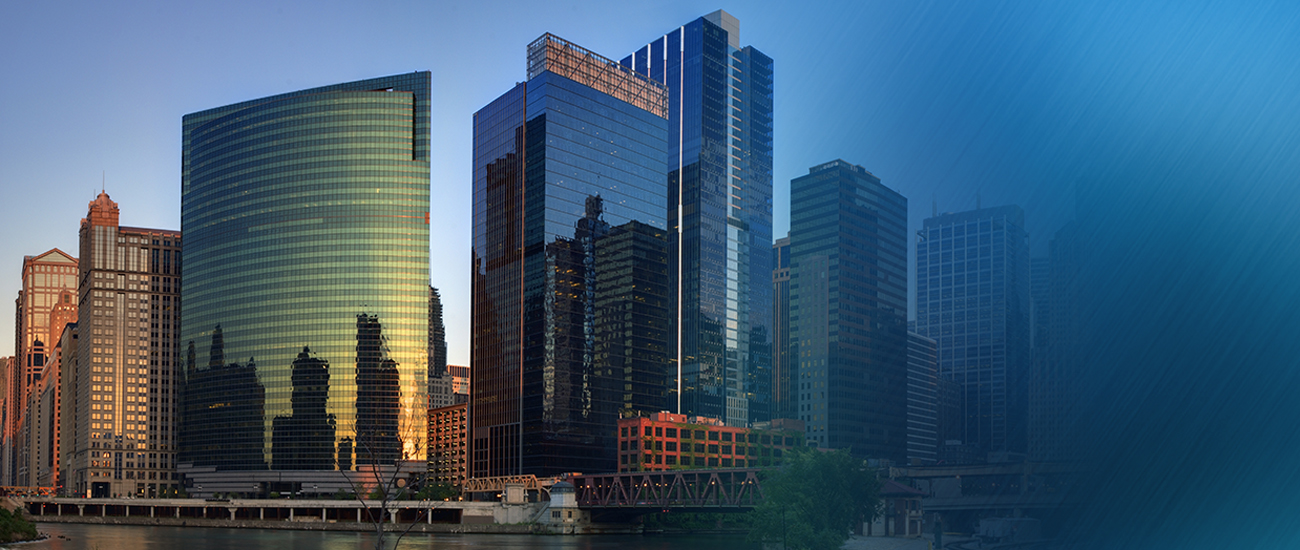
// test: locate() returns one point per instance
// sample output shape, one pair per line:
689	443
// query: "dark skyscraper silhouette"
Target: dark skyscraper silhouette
305	439
379	440
227	399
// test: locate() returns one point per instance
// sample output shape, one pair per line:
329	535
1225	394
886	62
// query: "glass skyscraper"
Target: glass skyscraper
719	215
570	273
306	280
972	296
848	310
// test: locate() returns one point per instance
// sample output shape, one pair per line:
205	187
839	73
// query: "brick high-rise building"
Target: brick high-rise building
126	374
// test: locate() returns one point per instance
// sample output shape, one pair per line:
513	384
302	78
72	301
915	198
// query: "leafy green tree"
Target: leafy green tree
14	527
436	491
814	499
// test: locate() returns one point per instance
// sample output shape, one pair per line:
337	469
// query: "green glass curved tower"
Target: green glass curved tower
306	282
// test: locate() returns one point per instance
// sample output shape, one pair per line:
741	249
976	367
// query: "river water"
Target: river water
70	536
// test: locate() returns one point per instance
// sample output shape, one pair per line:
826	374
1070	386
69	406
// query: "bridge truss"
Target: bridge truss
682	489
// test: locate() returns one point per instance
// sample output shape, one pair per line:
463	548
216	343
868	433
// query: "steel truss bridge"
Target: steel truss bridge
677	490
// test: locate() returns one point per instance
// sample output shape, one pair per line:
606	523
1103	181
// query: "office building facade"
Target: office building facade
973	298
570	311
124	385
47	280
719	215
848	310
784	398
923	436
306	266
448	447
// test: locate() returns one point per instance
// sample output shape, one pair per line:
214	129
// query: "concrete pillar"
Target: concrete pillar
261	512
178	511
322	515
103	510
392	518
291	514
152	508
81	509
358	515
128	510
428	516
232	514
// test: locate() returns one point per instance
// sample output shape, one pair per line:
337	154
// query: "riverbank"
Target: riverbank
482	528
459	528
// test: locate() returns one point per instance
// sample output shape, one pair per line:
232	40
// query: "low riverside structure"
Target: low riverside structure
333	515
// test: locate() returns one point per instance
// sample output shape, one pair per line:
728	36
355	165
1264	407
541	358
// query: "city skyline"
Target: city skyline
144	168
1172	127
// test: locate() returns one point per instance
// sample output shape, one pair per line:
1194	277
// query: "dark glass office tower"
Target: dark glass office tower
719	215
306	279
972	296
570	279
848	310
784	398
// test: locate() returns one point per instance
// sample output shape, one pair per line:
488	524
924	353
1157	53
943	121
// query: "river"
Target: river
72	536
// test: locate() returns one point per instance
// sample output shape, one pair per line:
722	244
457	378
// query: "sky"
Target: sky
933	99
1169	129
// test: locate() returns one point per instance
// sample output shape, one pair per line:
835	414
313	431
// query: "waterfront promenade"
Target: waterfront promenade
315	515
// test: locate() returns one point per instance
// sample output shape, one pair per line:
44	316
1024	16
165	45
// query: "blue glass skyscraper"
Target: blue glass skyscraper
719	215
972	296
570	272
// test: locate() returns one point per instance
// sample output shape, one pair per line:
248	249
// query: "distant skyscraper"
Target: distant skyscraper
441	387
570	279
1055	382
922	399
126	374
848	309
719	215
784	397
973	298
306	279
44	278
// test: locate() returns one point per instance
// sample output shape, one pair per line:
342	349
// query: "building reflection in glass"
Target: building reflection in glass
226	399
569	264
304	440
378	396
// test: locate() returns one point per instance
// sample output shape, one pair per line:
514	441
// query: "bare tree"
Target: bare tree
384	475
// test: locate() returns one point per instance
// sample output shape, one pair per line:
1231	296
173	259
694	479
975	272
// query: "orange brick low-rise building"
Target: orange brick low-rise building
666	441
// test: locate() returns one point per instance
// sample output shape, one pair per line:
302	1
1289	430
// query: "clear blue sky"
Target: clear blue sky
943	101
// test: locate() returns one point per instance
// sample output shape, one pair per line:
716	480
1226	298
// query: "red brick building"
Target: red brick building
666	441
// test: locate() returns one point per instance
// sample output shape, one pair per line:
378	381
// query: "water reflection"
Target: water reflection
115	537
